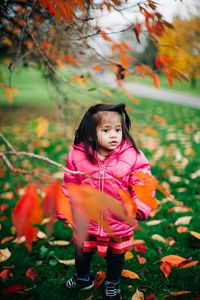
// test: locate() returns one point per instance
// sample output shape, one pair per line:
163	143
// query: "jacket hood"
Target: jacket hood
125	144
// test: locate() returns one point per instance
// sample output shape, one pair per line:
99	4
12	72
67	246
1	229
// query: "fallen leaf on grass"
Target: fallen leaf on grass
141	260
32	273
152	296
4	274
178	209
7	239
13	289
174	260
138	295
154	222
67	262
170	241
4	254
99	278
130	274
195	234
135	242
166	268
128	255
59	243
182	229
140	248
177	293
183	220
158	238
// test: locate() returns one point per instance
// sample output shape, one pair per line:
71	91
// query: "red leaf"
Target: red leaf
99	278
166	268
137	30
158	62
13	289
32	273
27	212
150	297
140	248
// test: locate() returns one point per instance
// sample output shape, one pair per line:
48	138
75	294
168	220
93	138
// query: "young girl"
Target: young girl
104	149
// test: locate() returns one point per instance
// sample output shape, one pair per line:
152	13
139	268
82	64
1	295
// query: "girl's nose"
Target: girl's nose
113	133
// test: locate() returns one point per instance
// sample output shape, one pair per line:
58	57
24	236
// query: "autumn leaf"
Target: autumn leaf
27	212
158	237
160	120
106	92
31	273
13	289
97	67
129	203
138	295
195	234
130	274
128	255
59	243
174	260
99	278
141	260
9	92
156	80
67	262
133	99
4	274
4	254
183	220
140	248
7	239
42	126
137	30
182	229
166	268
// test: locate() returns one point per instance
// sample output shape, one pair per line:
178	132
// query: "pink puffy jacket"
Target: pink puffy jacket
120	162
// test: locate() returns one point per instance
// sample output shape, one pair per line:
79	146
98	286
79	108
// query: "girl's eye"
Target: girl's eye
105	130
118	129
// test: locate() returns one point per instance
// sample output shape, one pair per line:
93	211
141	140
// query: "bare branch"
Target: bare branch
6	142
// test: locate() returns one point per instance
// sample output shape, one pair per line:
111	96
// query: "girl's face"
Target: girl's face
109	132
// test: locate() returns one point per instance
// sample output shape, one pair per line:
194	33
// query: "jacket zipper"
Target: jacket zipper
102	167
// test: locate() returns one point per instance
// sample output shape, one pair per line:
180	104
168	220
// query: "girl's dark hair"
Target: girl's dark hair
86	131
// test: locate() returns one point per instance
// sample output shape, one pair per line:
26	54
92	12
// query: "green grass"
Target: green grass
178	87
173	153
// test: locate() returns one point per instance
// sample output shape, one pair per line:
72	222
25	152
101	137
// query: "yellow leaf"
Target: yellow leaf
42	126
158	237
67	262
59	243
183	220
4	254
128	255
106	92
195	234
138	295
130	274
154	222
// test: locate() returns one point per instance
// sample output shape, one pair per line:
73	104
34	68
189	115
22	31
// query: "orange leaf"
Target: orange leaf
160	119
133	99
129	203
9	92
146	190
4	274
106	92
71	59
130	274
27	212
182	229
64	207
142	260
166	268
174	260
97	67
156	81
150	131
32	273
137	30
99	278
169	77
7	239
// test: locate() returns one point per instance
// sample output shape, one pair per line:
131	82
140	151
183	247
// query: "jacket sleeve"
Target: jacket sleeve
68	177
141	164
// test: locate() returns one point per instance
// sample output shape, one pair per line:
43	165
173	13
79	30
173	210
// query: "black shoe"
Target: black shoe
79	283
112	291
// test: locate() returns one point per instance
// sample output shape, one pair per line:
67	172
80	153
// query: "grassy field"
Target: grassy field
169	136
